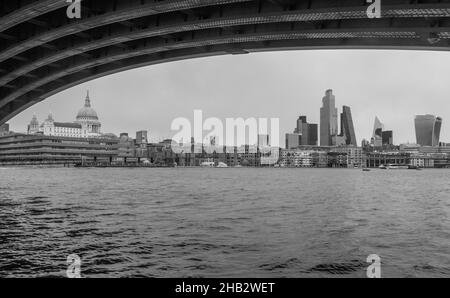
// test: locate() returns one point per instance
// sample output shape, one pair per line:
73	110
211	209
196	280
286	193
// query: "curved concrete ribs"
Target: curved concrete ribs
29	12
42	52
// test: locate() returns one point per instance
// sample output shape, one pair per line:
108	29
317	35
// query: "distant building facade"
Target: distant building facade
142	137
387	138
420	160
428	130
351	157
293	140
4	129
141	143
377	159
22	149
323	157
308	132
377	136
292	158
57	129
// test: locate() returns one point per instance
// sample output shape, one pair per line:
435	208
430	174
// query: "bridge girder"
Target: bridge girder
42	52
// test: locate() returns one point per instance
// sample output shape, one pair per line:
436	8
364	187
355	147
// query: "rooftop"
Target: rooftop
67	125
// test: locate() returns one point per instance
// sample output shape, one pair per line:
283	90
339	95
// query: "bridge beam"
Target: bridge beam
43	52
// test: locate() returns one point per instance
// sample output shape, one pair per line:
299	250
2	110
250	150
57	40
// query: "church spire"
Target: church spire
87	103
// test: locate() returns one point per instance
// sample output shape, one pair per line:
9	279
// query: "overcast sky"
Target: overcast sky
393	85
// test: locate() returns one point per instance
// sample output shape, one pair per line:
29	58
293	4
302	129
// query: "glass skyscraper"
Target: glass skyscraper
377	137
347	128
388	137
428	130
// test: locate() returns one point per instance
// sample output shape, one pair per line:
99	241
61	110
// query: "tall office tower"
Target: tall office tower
293	140
303	130
347	128
300	121
308	132
328	119
428	130
313	134
377	137
388	137
142	137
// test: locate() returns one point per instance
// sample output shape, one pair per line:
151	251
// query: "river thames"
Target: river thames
224	222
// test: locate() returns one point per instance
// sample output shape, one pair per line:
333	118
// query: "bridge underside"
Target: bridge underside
42	52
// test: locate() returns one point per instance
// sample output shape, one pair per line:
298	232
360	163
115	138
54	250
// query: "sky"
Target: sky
391	84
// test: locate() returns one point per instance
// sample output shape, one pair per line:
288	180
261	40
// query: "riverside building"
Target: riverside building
22	149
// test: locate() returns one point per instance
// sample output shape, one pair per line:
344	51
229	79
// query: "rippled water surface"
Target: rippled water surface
224	222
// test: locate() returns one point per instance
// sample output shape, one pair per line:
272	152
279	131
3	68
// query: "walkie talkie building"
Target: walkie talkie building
428	130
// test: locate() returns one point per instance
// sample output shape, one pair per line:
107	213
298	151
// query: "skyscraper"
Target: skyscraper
308	132
377	137
300	121
328	119
388	138
347	128
313	134
293	140
428	130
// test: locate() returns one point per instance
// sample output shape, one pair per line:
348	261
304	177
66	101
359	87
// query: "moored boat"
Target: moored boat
397	167
208	164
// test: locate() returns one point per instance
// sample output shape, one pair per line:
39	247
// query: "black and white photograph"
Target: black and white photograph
229	146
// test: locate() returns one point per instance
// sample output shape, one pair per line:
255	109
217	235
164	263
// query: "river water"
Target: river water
224	222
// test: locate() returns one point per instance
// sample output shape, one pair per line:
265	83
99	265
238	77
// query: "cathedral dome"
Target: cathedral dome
87	113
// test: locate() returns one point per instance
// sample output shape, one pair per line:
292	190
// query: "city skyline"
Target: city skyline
146	109
428	128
